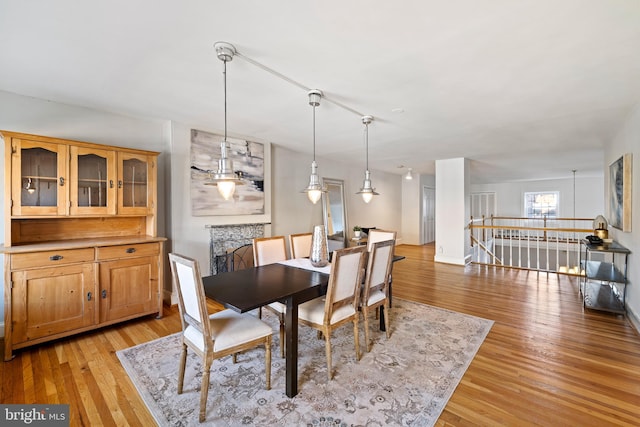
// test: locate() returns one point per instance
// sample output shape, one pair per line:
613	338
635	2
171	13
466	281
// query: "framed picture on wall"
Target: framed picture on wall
248	163
620	174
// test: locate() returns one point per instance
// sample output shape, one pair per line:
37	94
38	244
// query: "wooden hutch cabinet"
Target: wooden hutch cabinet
81	249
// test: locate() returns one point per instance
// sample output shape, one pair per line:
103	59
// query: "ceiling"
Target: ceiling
528	89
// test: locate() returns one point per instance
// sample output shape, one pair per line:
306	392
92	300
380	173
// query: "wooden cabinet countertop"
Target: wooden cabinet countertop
79	243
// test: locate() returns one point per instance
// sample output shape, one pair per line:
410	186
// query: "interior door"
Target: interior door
428	214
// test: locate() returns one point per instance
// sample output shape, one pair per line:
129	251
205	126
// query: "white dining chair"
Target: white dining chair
376	235
340	304
376	285
300	245
268	250
212	336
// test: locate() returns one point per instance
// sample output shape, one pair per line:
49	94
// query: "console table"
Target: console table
603	281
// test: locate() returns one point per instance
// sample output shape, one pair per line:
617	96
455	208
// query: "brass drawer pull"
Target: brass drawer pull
56	257
130	250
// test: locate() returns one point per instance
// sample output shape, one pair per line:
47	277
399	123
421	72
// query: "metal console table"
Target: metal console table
603	281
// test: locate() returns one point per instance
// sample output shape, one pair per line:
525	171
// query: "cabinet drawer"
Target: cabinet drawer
128	251
51	258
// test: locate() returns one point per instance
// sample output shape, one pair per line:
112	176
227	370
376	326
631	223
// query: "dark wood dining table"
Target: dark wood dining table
245	290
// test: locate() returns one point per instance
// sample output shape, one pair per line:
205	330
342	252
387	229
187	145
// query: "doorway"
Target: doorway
428	214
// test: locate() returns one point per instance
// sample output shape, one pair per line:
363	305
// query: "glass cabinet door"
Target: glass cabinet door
134	185
93	188
39	184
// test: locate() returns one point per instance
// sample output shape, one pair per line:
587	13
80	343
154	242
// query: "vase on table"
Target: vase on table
319	255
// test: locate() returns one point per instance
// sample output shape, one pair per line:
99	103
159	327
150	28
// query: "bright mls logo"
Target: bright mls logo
36	415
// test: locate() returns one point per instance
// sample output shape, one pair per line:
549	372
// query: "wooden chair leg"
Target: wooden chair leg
204	388
386	317
267	358
183	363
327	341
356	337
365	315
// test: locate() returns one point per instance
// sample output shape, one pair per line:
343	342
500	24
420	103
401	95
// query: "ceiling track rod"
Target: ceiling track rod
295	83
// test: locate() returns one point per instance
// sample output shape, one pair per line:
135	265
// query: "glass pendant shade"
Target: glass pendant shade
225	178
314	190
226	189
367	191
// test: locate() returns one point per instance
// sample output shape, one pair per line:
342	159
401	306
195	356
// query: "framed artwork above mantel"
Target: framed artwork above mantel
620	177
249	163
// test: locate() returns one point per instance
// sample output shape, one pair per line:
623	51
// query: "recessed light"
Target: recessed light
397	110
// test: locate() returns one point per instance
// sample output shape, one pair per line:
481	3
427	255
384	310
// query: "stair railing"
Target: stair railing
540	244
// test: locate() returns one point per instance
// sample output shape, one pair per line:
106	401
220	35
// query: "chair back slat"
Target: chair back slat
300	245
344	279
269	250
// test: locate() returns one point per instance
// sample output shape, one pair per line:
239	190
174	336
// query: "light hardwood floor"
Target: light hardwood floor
546	361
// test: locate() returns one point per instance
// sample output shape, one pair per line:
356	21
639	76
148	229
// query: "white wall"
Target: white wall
626	141
589	195
293	213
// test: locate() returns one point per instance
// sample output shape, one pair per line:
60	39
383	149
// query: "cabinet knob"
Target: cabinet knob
56	257
104	293
130	250
119	184
61	181
89	295
110	183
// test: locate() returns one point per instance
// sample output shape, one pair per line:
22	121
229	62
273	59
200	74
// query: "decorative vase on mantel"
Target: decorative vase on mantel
319	255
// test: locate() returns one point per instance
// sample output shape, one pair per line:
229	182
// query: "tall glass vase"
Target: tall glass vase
319	256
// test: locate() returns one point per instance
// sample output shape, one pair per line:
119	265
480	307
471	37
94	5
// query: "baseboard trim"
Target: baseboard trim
633	319
170	298
450	260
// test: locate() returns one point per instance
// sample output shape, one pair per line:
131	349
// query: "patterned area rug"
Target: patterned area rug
406	380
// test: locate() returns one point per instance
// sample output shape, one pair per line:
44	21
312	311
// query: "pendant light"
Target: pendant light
314	190
367	191
409	175
225	178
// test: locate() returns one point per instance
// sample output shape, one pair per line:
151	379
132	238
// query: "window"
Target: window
541	204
